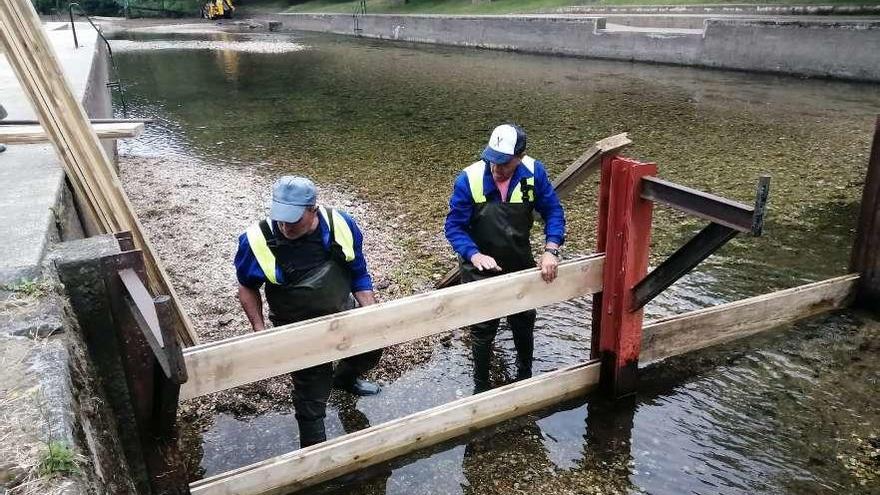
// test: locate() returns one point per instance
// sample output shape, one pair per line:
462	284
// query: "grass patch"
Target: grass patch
34	288
57	459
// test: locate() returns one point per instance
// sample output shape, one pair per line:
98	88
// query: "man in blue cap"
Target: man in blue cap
489	224
311	262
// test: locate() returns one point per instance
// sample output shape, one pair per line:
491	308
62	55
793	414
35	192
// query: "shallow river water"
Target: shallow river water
392	123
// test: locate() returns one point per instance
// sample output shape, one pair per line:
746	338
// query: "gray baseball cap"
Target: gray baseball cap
290	198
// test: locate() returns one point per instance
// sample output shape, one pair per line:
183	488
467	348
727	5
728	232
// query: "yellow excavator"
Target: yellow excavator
218	9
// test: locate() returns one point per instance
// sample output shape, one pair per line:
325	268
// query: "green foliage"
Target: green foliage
91	7
120	7
35	288
58	459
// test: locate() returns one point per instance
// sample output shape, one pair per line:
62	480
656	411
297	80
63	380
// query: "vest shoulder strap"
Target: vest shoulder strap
260	247
475	173
340	231
525	190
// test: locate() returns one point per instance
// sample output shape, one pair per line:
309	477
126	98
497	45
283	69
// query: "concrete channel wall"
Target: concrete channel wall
835	49
55	393
35	205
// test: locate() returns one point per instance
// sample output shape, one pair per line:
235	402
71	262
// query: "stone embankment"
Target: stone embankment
58	434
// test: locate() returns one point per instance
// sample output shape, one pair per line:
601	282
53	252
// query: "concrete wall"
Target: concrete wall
97	100
48	369
735	9
845	50
35	205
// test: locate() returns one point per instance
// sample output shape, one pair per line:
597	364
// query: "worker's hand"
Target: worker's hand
484	262
549	267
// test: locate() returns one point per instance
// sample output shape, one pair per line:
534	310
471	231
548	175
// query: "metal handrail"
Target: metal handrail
360	10
112	84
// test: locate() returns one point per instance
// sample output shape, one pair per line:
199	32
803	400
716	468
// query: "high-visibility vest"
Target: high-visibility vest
476	171
340	231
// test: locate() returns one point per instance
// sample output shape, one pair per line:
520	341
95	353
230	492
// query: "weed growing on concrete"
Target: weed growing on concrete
33	288
58	459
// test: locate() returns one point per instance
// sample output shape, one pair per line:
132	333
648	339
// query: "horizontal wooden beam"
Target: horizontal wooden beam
29	134
349	453
240	360
726	322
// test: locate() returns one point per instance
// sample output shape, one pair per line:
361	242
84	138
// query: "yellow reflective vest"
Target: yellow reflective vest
476	171
341	232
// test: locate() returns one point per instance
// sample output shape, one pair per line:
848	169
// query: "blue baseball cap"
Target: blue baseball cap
506	141
290	198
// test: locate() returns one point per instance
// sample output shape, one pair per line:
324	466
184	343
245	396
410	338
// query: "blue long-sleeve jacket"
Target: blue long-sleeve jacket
251	275
461	207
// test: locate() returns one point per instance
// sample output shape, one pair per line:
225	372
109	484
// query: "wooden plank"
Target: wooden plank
248	358
28	134
865	257
91	174
565	183
719	324
349	453
581	168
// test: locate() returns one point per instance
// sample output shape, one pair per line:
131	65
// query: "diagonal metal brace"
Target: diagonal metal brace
728	218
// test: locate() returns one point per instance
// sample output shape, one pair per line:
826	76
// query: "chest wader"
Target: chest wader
501	230
321	290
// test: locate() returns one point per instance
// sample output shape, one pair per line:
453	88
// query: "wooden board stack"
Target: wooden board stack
92	176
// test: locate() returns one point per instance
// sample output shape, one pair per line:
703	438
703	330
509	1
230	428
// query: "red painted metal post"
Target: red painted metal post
601	239
627	240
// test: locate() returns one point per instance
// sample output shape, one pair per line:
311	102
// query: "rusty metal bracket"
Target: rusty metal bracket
728	218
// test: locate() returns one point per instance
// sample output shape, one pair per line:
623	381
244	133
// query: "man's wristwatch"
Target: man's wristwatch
553	251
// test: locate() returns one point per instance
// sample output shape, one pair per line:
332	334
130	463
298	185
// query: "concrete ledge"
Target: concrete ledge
35	207
833	49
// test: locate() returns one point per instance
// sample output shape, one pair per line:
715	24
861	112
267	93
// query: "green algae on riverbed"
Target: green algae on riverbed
391	124
395	122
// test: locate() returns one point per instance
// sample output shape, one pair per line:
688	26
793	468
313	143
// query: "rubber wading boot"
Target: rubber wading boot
482	357
524	342
311	432
358	386
2	148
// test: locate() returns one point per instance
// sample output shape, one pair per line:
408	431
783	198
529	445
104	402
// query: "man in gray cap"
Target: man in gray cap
311	262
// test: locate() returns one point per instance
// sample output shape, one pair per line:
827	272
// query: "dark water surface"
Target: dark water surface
393	123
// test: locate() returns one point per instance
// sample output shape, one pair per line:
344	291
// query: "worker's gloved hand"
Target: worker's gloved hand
483	262
549	267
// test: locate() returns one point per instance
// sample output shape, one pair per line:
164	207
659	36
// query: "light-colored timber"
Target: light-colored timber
99	194
349	453
29	134
726	322
588	162
240	360
566	182
664	338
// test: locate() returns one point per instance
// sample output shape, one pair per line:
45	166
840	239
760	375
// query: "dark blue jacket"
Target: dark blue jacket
461	207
